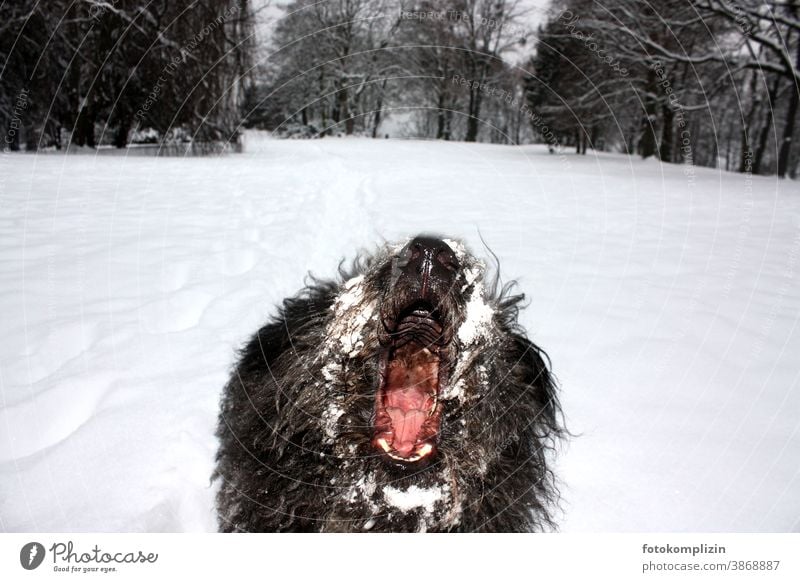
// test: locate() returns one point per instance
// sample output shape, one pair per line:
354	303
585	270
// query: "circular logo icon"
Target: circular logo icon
31	555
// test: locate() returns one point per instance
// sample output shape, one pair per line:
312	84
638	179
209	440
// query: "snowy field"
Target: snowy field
668	303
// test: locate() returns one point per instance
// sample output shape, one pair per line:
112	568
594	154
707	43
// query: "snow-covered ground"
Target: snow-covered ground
668	303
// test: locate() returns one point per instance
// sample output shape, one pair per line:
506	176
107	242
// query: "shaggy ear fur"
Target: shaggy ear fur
252	435
296	420
543	426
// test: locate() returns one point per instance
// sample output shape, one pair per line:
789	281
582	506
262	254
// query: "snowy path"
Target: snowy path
668	303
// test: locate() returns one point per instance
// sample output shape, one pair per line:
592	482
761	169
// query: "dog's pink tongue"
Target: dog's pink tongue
406	425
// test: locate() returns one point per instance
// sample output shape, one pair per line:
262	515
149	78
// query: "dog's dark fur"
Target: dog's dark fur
296	418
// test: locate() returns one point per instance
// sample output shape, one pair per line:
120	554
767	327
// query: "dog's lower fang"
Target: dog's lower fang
423	451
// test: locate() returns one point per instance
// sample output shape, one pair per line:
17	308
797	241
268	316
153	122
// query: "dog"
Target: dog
403	397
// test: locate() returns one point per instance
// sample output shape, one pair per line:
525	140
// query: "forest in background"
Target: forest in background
706	82
92	72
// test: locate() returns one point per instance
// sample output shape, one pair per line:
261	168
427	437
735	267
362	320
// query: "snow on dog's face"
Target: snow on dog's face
415	314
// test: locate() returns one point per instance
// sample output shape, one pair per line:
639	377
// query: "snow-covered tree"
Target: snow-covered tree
96	69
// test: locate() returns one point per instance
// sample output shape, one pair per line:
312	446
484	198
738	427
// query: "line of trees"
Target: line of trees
340	66
712	82
100	71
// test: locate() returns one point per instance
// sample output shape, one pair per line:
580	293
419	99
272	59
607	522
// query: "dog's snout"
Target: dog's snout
430	258
423	276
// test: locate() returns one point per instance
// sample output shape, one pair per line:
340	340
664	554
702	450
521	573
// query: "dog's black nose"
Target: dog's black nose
431	261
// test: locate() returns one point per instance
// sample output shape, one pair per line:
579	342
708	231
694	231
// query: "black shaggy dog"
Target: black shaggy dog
404	398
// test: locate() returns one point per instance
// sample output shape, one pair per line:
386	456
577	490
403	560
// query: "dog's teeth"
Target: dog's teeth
435	404
426	449
399	458
384	445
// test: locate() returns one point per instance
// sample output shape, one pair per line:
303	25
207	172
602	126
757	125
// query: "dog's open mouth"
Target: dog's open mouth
413	369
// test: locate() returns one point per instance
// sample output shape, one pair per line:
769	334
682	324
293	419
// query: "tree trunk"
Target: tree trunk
343	111
747	123
648	144
440	115
324	113
33	136
786	143
376	122
474	115
788	131
629	143
336	113
728	145
324	130
378	109
122	130
666	151
687	150
768	125
12	138
84	128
